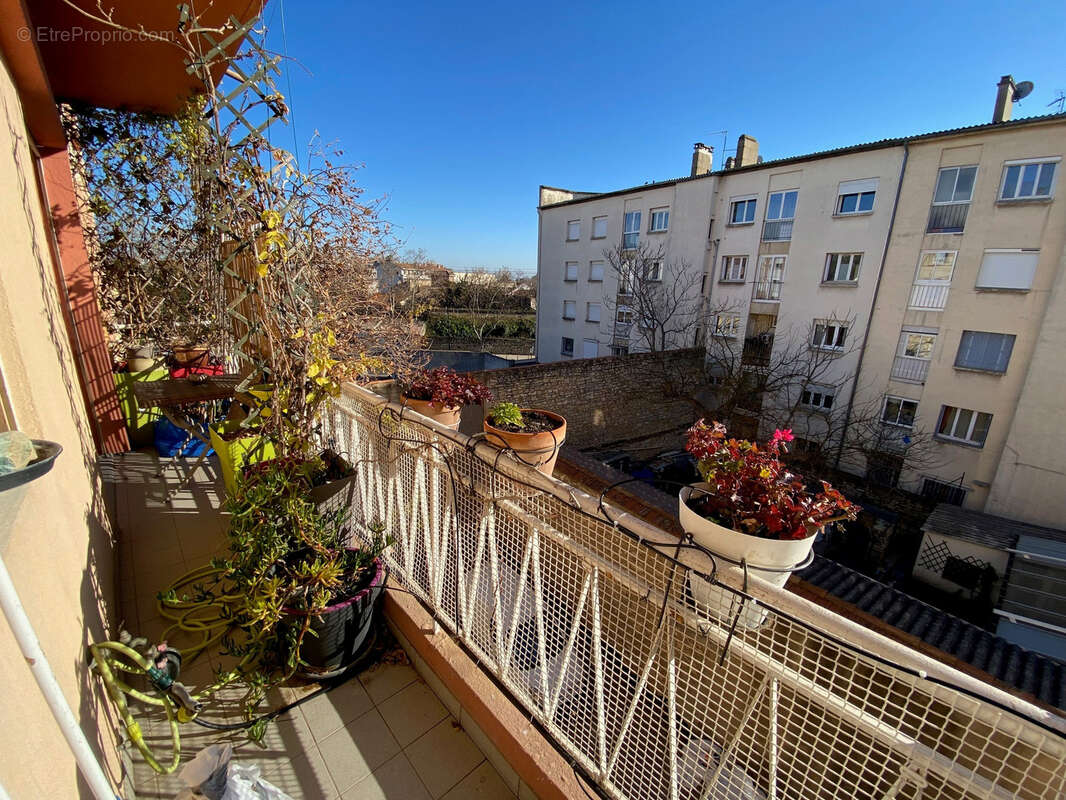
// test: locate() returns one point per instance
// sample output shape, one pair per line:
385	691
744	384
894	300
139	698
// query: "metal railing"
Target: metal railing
648	665
778	230
767	290
929	296
909	368
947	218
757	350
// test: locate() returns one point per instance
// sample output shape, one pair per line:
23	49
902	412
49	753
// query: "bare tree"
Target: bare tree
657	294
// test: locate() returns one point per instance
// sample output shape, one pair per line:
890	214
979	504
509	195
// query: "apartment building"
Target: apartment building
969	323
925	273
581	312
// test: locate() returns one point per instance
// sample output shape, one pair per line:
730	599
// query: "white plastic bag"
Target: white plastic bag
212	774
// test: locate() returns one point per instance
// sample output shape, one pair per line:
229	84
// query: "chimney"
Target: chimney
1004	99
702	158
747	151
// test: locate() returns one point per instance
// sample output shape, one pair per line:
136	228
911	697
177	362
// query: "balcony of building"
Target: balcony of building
910	369
778	230
947	217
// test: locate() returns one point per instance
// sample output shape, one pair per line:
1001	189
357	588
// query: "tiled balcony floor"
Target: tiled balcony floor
382	735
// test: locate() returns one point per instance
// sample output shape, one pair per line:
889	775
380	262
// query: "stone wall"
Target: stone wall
607	402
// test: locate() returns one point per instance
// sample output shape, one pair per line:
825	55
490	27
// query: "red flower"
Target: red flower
751	491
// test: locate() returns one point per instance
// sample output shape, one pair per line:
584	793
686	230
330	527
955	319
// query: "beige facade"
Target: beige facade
60	554
963	294
577	306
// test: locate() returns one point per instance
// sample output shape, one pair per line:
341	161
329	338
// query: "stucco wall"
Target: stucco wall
60	553
685	244
1026	388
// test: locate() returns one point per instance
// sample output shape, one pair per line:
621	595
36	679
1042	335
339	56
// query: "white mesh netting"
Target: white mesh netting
636	670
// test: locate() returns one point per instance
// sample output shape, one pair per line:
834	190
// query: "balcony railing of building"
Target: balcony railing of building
947	218
757	350
777	230
908	368
767	290
657	671
929	296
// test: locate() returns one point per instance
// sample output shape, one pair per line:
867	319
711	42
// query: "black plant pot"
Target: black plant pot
336	636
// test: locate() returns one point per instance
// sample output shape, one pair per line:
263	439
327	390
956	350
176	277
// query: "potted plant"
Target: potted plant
307	596
751	508
441	393
533	434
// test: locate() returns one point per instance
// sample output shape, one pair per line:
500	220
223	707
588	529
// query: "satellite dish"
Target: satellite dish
1022	90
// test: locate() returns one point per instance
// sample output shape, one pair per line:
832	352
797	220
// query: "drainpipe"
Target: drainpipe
12	487
873	305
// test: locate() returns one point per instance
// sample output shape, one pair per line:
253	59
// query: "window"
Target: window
655	270
599	227
727	325
1027	180
742	212
573	230
782	205
899	411
733	269
660	220
954	185
571	271
964	425
632	230
590	348
856	197
842	267
619	349
569	309
913	353
623	315
780	211
593	311
932	279
884	469
568	346
936	265
829	335
989	352
770	277
951	199
1008	269
819	397
595	271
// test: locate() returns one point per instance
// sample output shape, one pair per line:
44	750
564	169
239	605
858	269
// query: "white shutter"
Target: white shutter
590	348
1008	269
858	187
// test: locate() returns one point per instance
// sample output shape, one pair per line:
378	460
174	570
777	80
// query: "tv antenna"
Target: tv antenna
1060	101
1021	90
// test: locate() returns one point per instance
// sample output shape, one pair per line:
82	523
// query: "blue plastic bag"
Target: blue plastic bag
170	440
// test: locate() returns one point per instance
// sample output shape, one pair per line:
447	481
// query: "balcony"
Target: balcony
908	368
757	350
779	230
929	296
947	218
592	621
767	290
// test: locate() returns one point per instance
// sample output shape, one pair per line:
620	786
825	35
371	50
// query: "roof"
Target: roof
837	151
1027	671
984	529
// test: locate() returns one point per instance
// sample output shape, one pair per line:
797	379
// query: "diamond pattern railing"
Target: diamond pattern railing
656	672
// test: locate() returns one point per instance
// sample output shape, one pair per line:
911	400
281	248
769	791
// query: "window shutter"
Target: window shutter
1008	269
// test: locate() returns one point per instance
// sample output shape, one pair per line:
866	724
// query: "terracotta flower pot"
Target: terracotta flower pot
190	354
538	450
140	359
447	416
779	554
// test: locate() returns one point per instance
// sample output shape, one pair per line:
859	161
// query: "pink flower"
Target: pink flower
783	435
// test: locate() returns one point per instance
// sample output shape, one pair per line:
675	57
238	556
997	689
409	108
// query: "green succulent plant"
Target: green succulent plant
506	414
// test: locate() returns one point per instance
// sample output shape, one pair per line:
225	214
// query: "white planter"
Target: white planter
755	550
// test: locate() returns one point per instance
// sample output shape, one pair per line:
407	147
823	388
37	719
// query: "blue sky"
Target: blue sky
461	110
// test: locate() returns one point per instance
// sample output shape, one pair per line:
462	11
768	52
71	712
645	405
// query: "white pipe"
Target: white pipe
31	650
